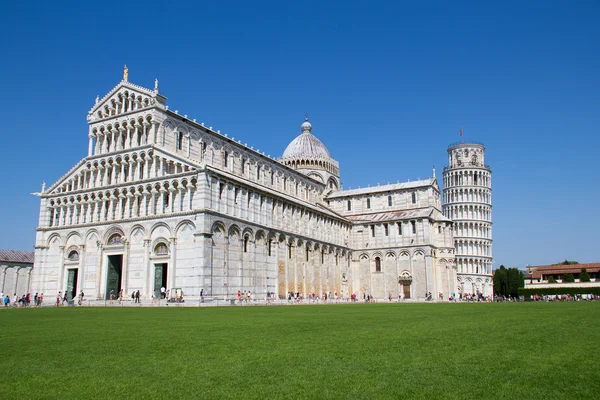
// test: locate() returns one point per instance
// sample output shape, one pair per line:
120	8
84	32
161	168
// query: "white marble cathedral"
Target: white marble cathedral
163	201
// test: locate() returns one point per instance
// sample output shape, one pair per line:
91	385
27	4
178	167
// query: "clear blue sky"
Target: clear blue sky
386	85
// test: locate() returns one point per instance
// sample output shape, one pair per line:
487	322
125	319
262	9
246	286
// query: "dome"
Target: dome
306	145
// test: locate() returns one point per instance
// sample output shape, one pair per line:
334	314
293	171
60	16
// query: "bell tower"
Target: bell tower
467	199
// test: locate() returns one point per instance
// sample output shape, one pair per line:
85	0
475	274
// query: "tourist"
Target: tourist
6	301
202	295
66	298
121	296
137	297
162	293
133	297
41	299
58	297
81	298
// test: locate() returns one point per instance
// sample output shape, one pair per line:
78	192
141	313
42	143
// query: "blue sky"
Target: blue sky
386	86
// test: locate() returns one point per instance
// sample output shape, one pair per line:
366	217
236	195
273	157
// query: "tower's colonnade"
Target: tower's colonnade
468	203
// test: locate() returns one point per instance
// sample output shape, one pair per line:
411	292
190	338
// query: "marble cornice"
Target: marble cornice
118	221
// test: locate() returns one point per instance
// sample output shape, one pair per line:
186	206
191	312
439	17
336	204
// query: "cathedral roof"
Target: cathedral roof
383	188
17	256
306	145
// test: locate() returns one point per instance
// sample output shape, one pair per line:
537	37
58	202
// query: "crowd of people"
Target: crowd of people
26	301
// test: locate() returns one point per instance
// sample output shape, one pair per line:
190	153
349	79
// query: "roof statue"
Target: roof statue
126	74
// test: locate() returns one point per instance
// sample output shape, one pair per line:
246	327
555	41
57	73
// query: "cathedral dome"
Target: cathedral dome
306	145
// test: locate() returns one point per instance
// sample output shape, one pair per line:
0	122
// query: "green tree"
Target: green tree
551	279
500	281
568	278
567	262
584	276
507	281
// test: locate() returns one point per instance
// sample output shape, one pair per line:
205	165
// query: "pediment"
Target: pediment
124	98
57	187
69	182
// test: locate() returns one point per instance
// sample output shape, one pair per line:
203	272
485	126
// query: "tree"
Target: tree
551	279
500	281
584	276
508	281
567	262
568	278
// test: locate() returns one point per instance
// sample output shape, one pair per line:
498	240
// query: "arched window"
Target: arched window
414	198
349	205
377	264
368	203
246	240
73	255
161	249
225	156
390	201
179	140
115	239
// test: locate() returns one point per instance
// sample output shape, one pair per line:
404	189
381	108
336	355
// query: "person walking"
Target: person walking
137	297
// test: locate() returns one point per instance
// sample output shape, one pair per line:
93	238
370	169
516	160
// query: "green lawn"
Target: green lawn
428	351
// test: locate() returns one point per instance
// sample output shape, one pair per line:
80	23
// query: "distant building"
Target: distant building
541	276
15	271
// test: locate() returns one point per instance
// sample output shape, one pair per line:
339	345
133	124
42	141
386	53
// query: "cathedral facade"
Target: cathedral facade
161	201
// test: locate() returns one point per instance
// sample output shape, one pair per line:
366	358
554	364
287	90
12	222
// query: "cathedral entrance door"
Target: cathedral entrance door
113	276
160	278
406	289
71	283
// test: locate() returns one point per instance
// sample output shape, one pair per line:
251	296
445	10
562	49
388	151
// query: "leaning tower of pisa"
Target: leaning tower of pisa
468	202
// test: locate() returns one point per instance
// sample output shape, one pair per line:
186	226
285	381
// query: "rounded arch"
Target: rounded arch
218	226
160	247
234	231
376	254
91	236
161	229
111	231
419	253
248	232
136	227
73	238
72	254
52	239
260	234
185	228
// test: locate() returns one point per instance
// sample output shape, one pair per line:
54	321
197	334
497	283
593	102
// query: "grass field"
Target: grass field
428	351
